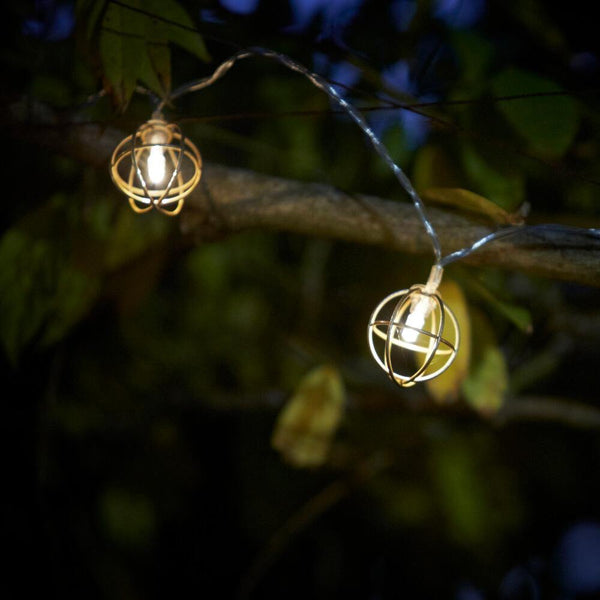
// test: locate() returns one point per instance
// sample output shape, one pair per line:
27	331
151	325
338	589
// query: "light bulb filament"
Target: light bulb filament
415	320
156	165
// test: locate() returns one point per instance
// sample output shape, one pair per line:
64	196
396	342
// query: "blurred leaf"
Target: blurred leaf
548	124
465	200
52	267
493	179
147	68
534	17
131	236
487	382
122	45
404	503
446	387
88	13
517	315
475	55
130	285
434	168
461	492
43	295
129	519
134	45
178	26
309	420
74	295
159	54
478	497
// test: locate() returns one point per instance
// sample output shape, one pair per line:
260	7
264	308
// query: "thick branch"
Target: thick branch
236	200
230	200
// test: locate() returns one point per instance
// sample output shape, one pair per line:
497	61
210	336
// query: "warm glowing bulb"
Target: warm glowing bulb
156	165
415	321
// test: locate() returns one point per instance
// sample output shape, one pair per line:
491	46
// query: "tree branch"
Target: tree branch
230	200
234	200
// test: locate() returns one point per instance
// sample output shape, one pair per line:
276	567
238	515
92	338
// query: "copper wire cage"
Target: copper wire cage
177	167
410	352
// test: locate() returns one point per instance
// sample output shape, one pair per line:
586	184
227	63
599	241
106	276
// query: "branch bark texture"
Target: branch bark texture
230	200
236	200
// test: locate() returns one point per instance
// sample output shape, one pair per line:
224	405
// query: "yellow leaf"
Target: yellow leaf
446	387
487	382
465	200
307	423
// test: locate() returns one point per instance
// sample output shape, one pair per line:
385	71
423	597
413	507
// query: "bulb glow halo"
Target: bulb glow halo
436	346
134	174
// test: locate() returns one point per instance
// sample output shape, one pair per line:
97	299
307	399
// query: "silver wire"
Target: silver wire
379	147
354	114
509	231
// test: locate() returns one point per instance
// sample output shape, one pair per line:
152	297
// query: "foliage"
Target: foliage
174	415
133	42
309	420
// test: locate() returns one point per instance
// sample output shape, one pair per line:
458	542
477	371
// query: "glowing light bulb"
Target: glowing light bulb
415	320
156	165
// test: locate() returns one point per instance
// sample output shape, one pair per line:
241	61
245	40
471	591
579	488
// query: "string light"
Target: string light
412	334
156	167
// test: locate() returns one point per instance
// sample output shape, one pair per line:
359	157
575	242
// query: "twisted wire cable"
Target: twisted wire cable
380	148
594	234
354	114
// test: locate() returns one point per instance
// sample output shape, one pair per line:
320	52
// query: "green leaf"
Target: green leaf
475	55
517	315
21	306
89	13
548	124
159	54
179	27
498	182
128	519
405	503
462	493
539	24
131	236
122	44
134	45
465	200
74	294
308	422
43	294
487	382
475	493
147	71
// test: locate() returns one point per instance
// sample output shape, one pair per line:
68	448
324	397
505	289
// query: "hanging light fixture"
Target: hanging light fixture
412	334
156	167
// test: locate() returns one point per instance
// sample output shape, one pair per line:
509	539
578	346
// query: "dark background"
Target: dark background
137	429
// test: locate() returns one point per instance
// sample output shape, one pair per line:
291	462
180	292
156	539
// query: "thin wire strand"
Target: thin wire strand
354	114
379	147
517	229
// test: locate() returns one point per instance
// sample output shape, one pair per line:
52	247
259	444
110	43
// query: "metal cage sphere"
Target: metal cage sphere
410	352
156	167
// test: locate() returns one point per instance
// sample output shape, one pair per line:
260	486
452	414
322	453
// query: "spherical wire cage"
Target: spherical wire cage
411	352
156	167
